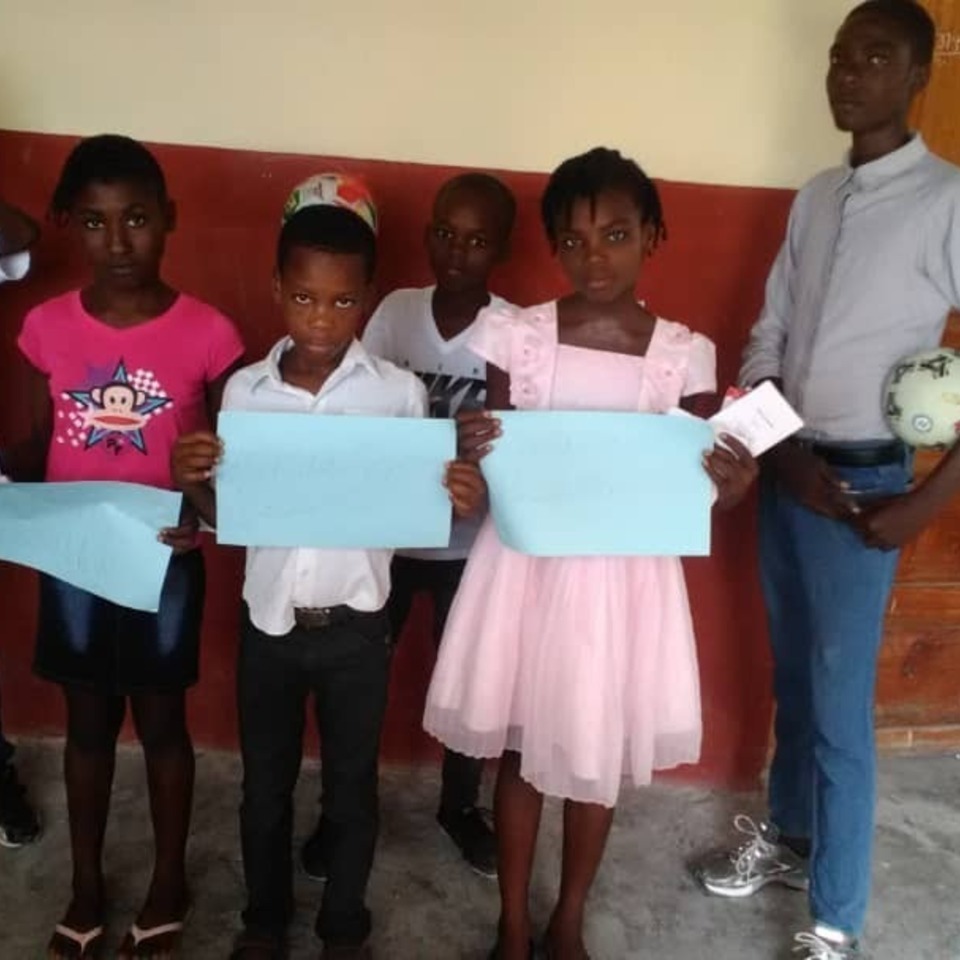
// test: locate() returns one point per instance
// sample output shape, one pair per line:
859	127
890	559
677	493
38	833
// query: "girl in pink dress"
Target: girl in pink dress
580	671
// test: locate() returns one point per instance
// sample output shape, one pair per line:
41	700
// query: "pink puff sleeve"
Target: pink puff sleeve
701	367
492	339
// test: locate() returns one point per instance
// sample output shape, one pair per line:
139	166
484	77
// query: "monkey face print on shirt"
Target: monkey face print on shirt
115	410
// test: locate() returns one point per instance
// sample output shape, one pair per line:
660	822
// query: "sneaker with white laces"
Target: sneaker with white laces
823	943
760	860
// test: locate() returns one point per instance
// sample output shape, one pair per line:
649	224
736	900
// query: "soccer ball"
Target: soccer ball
921	398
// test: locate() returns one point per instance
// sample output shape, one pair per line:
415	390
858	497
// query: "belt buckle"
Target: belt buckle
313	618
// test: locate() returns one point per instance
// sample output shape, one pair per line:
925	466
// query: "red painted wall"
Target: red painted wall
709	275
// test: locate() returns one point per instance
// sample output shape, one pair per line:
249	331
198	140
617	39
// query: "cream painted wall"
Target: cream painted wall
720	91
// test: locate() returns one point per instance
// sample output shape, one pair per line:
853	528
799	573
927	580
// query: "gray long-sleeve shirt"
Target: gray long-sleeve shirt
867	275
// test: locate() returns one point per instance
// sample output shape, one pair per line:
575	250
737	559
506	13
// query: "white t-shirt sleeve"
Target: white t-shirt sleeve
376	336
14	266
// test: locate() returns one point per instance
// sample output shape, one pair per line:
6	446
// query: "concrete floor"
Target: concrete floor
428	906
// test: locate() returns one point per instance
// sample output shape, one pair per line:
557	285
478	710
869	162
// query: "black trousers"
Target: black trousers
440	579
346	666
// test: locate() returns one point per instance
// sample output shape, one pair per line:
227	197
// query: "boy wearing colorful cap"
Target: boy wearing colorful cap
314	620
427	330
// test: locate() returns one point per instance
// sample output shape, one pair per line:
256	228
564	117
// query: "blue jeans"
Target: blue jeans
826	594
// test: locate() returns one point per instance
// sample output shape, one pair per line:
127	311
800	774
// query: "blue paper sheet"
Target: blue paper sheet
99	536
302	480
600	484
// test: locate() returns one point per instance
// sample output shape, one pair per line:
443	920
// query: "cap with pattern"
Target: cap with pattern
333	190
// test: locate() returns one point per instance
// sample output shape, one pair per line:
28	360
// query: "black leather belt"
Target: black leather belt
867	455
317	618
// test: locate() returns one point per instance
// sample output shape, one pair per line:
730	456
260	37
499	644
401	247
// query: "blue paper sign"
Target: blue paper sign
600	484
335	482
99	536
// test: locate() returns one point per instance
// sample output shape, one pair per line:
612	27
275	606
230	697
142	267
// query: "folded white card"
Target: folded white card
760	419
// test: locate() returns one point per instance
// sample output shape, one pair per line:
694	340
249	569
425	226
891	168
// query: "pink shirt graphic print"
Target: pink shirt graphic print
122	396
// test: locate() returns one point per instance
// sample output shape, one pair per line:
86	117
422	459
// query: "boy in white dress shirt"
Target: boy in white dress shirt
427	331
315	620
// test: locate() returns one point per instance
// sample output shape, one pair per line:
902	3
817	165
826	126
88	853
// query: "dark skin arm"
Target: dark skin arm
890	524
466	486
26	461
730	466
17	230
810	481
806	477
192	463
183	537
477	429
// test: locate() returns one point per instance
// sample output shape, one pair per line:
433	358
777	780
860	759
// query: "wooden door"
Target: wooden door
918	695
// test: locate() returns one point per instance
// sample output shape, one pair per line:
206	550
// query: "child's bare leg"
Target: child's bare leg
93	723
586	827
517	808
161	725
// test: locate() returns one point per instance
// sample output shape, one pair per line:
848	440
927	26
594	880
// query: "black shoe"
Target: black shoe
469	830
250	944
343	951
18	823
313	858
495	952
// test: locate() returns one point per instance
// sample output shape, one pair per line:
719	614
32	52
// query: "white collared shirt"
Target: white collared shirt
867	275
404	331
278	580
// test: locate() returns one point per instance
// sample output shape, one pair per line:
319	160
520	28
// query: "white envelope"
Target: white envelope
759	419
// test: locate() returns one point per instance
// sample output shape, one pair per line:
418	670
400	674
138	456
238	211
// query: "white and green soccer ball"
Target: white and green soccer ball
921	398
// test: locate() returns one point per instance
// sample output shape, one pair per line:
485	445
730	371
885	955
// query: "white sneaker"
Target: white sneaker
825	943
762	859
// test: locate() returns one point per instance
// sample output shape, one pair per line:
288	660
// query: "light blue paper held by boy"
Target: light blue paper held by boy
333	482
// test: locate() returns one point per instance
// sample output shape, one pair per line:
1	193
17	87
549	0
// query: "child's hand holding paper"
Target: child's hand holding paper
760	419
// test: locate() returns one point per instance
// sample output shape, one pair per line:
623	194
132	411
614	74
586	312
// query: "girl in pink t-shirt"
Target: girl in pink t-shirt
121	368
579	671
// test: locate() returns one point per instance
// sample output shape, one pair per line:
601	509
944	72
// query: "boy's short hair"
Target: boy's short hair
491	190
107	158
911	20
331	229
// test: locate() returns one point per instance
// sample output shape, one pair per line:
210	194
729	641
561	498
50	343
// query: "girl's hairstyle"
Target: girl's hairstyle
912	21
331	229
108	158
585	177
488	189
